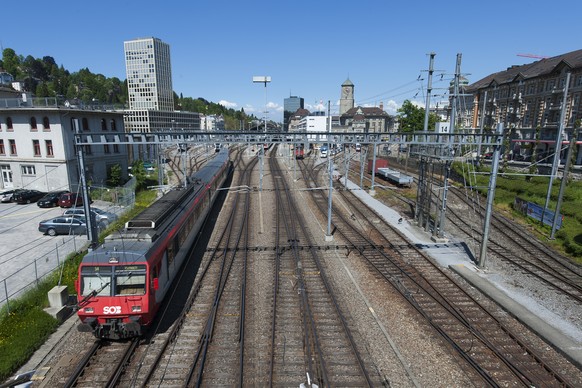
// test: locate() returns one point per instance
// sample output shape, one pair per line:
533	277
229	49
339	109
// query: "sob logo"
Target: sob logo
112	310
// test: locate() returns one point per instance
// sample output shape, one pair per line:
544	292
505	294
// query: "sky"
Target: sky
308	48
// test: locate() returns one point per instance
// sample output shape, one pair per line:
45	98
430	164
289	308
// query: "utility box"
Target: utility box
58	297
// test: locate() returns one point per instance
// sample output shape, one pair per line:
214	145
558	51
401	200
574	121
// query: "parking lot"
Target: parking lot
25	253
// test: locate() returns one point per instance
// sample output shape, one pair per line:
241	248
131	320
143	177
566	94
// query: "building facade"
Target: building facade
290	106
37	145
528	100
367	120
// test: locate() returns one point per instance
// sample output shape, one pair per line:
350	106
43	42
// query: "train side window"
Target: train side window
171	252
154	277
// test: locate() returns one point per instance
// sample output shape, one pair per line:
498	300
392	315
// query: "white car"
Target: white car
6	195
100	215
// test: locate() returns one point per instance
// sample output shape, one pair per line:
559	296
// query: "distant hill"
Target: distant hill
44	78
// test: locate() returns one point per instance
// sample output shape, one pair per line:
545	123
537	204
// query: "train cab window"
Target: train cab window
96	279
130	280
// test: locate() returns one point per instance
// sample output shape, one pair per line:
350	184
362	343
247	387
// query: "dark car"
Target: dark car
71	200
27	196
63	225
51	199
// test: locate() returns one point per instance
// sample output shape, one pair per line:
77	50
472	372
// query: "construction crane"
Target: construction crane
532	56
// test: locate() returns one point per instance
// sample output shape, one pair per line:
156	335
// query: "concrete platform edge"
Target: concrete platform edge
559	341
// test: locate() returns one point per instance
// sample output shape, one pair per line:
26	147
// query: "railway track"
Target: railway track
209	324
307	318
513	245
103	364
496	354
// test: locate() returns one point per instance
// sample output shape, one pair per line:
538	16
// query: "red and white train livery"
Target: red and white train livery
122	283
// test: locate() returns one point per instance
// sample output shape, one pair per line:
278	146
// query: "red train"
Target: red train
122	283
299	152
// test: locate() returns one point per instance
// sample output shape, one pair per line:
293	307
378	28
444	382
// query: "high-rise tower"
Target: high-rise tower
149	74
290	106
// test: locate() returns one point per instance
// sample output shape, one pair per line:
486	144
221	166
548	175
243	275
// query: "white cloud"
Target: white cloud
228	104
391	107
316	108
273	106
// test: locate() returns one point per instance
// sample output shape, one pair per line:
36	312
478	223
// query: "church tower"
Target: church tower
347	97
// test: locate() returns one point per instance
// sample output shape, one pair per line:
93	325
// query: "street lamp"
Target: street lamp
262	79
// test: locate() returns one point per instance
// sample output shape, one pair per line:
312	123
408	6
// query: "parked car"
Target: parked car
98	214
63	225
71	200
27	196
51	199
6	195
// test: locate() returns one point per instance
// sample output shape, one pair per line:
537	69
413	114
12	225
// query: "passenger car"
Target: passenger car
71	200
63	225
98	214
51	199
6	195
27	196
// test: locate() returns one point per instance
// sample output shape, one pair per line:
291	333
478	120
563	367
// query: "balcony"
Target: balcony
53	102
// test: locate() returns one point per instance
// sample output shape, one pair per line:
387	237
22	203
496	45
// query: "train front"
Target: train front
113	294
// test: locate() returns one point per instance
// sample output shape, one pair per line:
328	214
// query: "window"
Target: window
85	123
12	147
9	123
88	150
106	149
116	148
33	124
2	150
36	147
113	125
45	123
28	170
49	148
103	125
96	279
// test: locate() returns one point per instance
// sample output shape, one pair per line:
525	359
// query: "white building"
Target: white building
313	124
212	122
37	145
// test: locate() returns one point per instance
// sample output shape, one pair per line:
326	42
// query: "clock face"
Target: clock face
346	92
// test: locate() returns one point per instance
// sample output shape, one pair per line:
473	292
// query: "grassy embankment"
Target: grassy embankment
568	239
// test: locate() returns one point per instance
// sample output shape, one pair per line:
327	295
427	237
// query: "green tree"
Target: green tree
11	62
411	118
114	175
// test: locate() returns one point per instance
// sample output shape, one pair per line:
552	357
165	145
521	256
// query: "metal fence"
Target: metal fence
30	275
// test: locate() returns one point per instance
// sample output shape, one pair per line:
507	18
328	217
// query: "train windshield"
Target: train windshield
130	280
96	279
113	280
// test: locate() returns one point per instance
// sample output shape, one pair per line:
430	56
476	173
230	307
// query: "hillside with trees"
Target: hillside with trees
44	78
